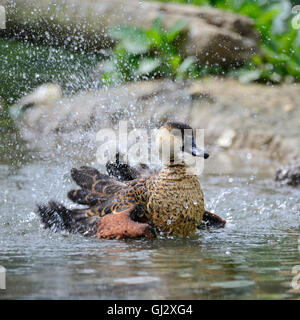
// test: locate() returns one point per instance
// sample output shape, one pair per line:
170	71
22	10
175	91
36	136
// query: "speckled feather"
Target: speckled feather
171	201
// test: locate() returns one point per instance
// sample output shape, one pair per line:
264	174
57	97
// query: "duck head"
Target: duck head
174	141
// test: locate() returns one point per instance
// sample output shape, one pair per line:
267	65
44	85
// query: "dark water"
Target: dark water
252	258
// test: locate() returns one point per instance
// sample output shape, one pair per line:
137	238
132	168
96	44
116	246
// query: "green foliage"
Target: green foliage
148	53
280	46
280	43
24	66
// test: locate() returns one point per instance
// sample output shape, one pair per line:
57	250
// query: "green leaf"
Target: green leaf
257	60
158	25
293	68
148	65
186	64
250	9
286	41
155	37
188	68
264	23
273	56
134	40
247	76
266	18
268	75
111	78
173	61
176	29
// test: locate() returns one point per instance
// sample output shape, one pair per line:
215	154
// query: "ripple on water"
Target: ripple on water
252	257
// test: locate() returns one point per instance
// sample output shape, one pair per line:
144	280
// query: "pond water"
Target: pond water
251	258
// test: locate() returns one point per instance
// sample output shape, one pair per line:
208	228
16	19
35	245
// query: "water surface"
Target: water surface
251	258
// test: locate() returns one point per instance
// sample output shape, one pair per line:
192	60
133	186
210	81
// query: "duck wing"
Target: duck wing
104	196
122	171
96	187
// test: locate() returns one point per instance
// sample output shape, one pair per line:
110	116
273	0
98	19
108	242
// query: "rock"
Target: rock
235	116
289	175
288	107
71	123
212	35
226	139
43	97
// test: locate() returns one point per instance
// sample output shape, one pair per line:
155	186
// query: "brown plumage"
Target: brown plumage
169	201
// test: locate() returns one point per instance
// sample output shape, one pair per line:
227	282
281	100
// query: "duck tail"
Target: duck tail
56	217
211	220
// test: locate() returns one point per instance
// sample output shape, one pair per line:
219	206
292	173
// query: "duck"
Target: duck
134	202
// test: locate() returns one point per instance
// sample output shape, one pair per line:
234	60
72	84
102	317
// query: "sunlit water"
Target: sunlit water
251	258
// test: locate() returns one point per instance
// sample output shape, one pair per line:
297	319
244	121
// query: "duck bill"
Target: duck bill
197	152
191	148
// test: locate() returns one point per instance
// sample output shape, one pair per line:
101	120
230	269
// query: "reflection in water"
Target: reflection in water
252	257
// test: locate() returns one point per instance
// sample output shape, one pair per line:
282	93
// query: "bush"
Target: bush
280	43
144	54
